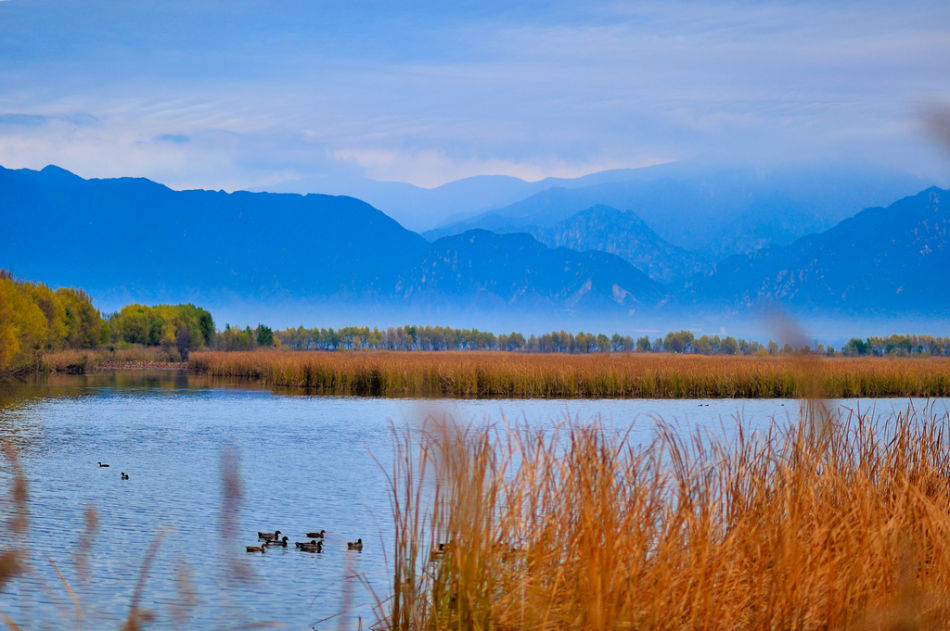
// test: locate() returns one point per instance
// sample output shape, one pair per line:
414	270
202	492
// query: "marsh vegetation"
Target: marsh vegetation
522	375
836	522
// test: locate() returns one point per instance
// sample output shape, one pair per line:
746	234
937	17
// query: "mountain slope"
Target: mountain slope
126	240
622	233
893	260
136	238
715	211
487	270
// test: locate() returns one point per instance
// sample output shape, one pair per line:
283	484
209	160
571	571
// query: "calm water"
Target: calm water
305	463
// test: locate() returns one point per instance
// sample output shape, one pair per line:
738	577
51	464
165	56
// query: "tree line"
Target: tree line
35	320
899	345
437	338
183	328
179	327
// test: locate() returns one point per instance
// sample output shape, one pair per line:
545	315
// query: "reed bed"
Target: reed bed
79	361
499	374
838	524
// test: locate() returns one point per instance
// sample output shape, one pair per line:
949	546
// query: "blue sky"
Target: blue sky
315	96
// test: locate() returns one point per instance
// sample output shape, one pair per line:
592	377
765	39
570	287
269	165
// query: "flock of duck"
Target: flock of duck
274	539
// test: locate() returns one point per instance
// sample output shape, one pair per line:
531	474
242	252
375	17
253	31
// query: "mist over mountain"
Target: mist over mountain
713	211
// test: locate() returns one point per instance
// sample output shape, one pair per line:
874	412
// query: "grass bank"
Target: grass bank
825	525
632	375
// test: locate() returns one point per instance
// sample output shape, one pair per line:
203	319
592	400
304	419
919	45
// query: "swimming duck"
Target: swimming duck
125	476
310	546
268	536
355	545
256	549
316	535
275	542
101	464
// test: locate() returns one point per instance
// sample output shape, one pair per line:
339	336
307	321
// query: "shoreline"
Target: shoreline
141	365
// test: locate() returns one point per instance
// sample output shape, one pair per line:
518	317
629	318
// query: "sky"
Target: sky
301	96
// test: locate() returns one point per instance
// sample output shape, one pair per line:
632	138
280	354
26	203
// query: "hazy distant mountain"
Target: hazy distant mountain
127	239
622	233
296	259
716	212
490	271
420	208
893	260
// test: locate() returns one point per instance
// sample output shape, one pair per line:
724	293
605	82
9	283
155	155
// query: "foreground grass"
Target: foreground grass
841	524
466	374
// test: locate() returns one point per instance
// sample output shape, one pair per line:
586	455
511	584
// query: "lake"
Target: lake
304	463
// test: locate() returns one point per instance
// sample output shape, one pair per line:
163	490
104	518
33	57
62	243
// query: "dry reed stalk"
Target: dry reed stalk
12	562
579	529
471	373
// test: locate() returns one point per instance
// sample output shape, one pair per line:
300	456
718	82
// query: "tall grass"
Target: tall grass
467	374
848	528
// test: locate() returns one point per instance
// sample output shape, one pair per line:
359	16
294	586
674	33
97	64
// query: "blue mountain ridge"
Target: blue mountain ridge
711	211
881	261
135	240
131	239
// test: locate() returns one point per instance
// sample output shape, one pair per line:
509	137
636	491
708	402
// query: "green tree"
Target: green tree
265	336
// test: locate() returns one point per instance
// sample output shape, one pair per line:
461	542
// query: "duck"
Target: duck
268	536
310	546
316	535
125	476
102	464
355	545
261	549
275	542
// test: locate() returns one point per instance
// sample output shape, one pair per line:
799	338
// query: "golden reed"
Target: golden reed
577	528
500	374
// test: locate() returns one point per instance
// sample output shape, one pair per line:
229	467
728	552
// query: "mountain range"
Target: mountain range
623	233
314	257
882	261
717	211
